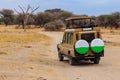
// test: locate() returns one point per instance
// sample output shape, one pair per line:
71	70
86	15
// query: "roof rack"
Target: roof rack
92	26
72	19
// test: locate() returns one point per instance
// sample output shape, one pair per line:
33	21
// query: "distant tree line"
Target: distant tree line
109	20
53	19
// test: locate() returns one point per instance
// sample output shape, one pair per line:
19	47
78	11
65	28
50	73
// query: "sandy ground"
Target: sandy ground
40	62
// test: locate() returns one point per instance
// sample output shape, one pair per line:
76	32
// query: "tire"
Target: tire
71	60
60	56
96	60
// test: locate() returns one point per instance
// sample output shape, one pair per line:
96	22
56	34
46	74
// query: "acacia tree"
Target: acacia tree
42	18
25	15
7	16
117	19
59	14
64	15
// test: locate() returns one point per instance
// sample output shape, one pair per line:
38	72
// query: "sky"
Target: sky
88	7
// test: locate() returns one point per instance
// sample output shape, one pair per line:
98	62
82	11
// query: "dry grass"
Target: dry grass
14	40
110	31
10	34
23	38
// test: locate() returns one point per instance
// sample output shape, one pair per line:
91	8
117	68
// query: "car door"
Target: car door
67	42
64	43
69	45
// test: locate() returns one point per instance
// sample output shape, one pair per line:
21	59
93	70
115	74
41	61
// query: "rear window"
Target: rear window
88	37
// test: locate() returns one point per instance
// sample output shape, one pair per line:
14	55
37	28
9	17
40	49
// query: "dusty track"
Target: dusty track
40	63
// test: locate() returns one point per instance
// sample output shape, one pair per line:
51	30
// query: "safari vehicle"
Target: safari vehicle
81	41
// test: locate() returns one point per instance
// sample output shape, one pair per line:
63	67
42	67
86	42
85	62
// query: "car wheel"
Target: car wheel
71	60
60	56
96	60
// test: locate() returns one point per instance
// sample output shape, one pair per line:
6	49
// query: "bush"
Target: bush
54	26
42	18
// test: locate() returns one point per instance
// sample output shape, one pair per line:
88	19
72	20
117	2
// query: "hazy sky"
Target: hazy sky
89	7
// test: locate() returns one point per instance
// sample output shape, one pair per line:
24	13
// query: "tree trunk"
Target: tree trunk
23	26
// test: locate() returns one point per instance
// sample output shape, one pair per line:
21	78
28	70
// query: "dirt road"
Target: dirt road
40	62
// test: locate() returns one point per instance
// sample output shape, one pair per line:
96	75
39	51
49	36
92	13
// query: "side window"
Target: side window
88	37
64	38
77	36
69	38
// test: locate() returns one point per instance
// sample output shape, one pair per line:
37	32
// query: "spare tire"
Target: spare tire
81	47
97	46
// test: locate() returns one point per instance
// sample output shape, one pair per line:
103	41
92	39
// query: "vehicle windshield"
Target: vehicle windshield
81	23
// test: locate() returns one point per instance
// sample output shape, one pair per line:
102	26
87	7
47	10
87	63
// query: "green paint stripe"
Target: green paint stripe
82	50
97	49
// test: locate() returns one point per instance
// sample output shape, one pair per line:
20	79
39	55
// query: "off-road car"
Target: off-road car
81	41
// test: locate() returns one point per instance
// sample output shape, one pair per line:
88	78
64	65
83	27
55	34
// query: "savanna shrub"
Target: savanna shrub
54	25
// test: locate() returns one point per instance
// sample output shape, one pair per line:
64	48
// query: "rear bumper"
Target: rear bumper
82	57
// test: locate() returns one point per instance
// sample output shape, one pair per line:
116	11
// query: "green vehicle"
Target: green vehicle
81	41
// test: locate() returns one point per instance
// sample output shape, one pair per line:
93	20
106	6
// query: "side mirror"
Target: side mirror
60	42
